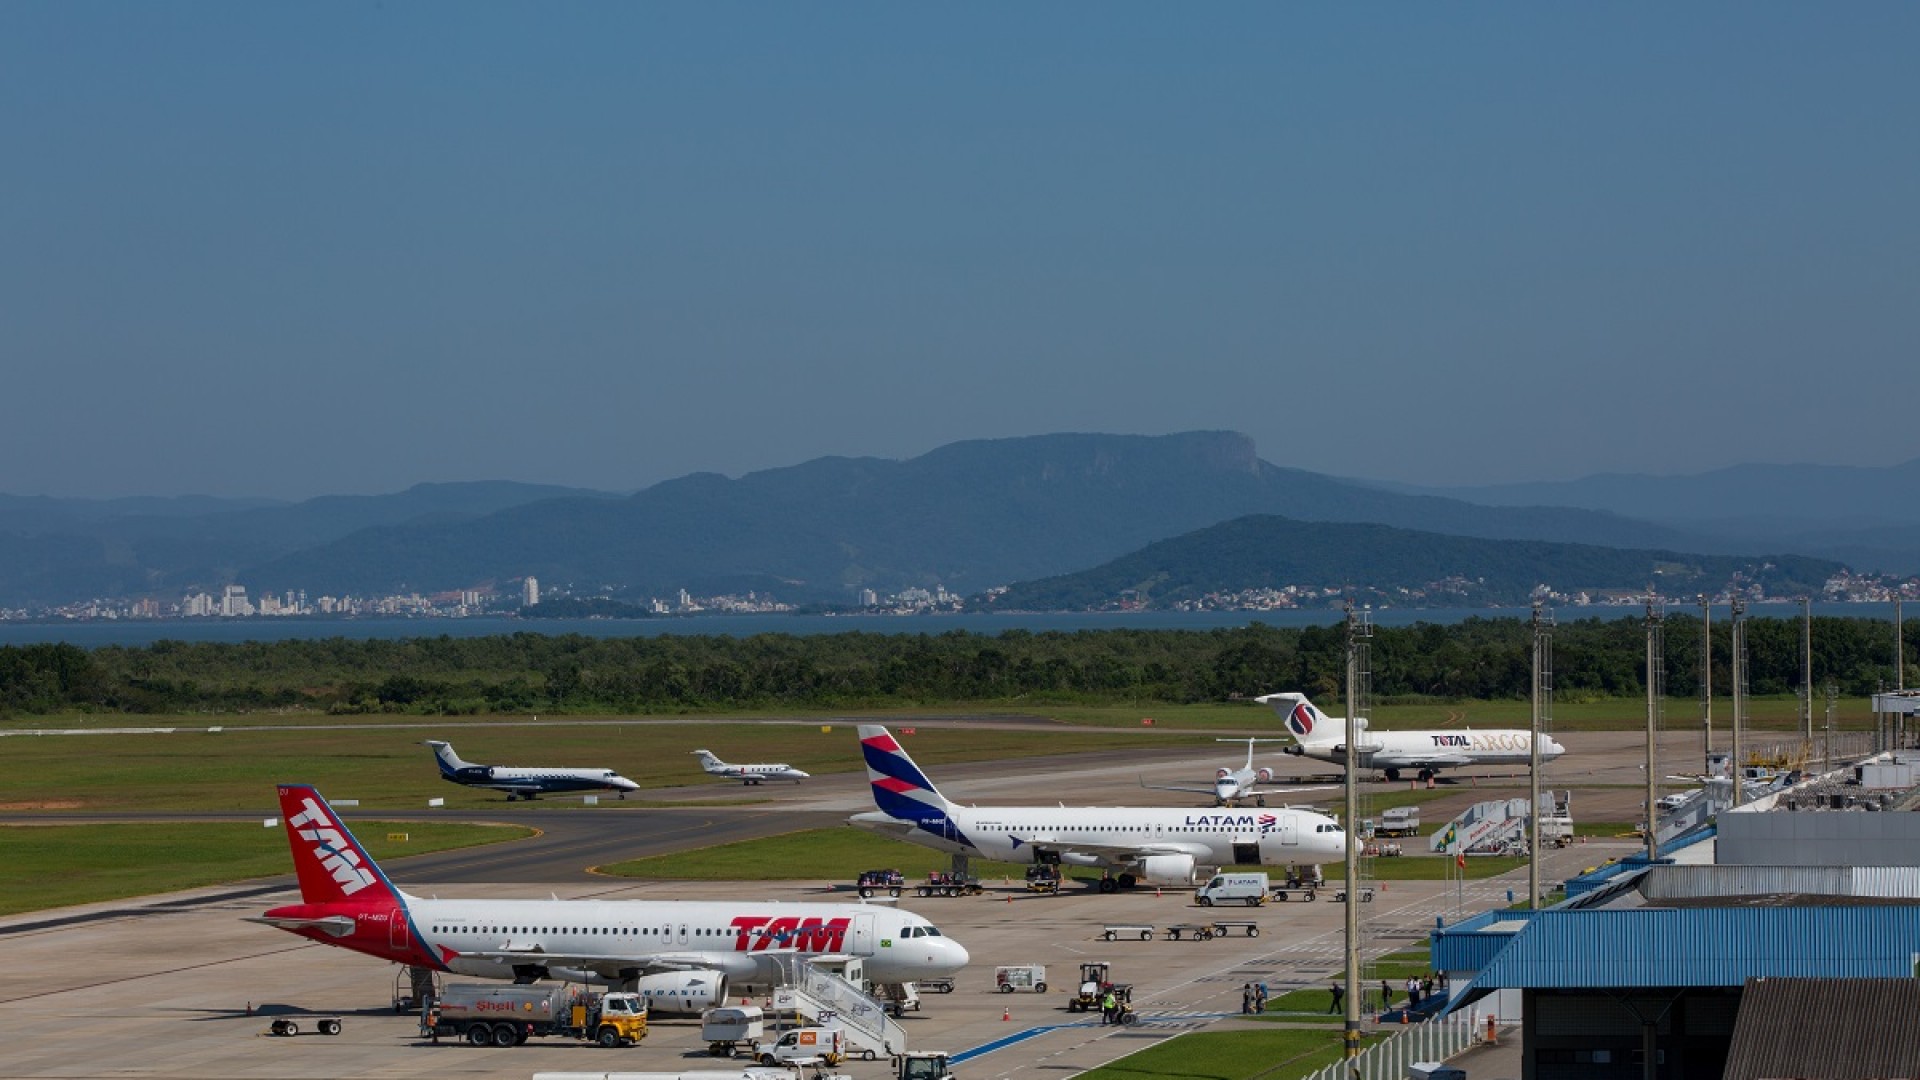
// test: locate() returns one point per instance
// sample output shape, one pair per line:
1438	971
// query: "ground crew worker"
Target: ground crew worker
1338	993
1107	1006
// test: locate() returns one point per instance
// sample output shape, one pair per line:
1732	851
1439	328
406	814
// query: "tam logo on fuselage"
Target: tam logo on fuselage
757	933
330	847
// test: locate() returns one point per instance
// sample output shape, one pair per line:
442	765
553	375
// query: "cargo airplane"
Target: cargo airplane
750	774
1157	845
1317	735
682	955
522	783
1232	785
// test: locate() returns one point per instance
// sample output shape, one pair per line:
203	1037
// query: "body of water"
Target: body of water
90	634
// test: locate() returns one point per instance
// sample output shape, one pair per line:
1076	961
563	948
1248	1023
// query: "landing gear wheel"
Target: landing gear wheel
1108	885
1393	775
1128	881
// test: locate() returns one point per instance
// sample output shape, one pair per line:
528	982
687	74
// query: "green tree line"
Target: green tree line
1478	659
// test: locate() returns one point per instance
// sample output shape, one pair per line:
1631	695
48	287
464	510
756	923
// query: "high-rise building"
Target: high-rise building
233	601
530	591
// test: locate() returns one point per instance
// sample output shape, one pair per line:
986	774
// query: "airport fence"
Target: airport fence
1389	1059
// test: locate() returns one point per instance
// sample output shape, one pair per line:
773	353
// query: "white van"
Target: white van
1249	889
803	1046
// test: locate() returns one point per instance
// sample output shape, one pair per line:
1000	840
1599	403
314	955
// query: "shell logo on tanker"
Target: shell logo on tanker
757	933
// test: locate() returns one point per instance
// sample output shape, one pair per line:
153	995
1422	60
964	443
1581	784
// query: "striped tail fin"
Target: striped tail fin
331	865
900	789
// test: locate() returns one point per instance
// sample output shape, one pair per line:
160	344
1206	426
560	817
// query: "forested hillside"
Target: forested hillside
1475	659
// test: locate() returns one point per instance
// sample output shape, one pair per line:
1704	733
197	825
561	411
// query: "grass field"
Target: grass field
389	769
48	866
1261	1054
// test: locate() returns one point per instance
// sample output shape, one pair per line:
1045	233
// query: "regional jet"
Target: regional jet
1317	735
681	955
1158	845
521	783
749	774
1232	785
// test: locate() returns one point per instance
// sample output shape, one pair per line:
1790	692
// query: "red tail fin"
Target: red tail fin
329	861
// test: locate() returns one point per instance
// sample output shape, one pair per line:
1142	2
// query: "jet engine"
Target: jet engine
682	992
1265	775
1167	869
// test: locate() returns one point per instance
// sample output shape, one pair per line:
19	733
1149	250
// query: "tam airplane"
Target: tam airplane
1158	845
1232	785
682	955
1317	735
751	774
525	783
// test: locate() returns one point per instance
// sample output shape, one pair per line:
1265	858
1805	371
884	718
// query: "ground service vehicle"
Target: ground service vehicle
873	881
1400	821
287	1028
1122	1003
1024	977
506	1015
803	1046
1043	877
941	883
923	1065
1095	977
1248	889
724	1028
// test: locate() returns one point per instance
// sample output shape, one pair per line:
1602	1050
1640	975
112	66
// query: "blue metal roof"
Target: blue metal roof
1472	944
1670	947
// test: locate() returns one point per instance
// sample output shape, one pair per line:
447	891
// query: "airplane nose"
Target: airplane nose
954	955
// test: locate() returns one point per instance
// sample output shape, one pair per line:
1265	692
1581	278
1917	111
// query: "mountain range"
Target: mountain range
969	516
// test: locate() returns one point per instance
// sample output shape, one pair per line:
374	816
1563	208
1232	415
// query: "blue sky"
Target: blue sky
279	249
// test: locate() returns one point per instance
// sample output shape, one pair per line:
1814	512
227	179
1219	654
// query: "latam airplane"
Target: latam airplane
1158	845
525	783
1232	785
1317	735
751	774
682	955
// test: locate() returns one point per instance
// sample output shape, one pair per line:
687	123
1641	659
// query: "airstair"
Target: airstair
822	996
1499	827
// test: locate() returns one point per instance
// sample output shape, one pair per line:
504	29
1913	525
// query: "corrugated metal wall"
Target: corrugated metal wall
1671	883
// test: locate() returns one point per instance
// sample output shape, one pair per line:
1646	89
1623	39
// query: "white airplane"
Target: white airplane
751	774
1158	845
525	783
682	955
1317	735
1232	785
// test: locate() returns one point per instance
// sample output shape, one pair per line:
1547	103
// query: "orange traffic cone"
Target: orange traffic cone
1403	1015
1156	892
1009	898
1492	1039
1006	1014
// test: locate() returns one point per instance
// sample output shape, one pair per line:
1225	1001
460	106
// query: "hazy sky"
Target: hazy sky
291	249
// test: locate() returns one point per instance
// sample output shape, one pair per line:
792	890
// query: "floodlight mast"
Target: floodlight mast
1358	630
1542	695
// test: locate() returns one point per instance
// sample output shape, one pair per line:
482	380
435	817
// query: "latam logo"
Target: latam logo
1300	720
1264	822
331	848
757	933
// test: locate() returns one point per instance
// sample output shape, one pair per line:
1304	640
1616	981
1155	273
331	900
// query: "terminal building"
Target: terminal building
1781	940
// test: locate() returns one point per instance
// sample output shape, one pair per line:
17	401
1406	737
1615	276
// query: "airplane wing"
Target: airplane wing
606	965
1174	787
1122	853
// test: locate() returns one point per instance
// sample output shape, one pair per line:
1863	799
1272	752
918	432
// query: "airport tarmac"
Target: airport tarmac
161	987
167	993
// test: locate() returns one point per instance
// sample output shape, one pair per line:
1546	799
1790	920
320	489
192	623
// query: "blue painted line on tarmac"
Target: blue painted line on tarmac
1034	1032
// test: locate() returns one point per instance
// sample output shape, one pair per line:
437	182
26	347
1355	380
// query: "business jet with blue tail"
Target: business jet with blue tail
1317	735
747	774
1157	845
525	783
1232	785
680	955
